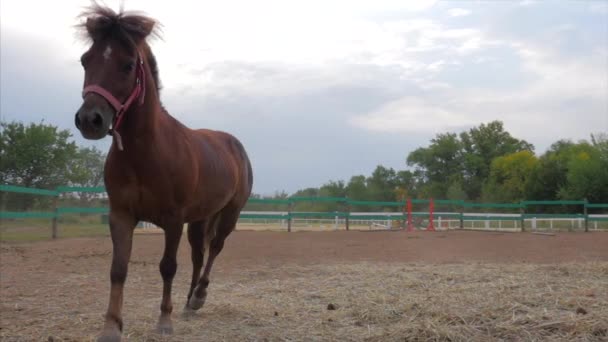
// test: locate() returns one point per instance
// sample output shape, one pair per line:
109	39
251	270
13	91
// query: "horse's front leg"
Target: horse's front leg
121	229
168	268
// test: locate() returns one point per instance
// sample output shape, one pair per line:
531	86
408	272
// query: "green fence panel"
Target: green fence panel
269	201
448	202
420	201
25	214
553	202
96	189
596	205
377	203
81	210
318	199
493	205
24	190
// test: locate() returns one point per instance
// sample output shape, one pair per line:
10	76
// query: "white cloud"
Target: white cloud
526	3
412	115
599	7
564	97
458	12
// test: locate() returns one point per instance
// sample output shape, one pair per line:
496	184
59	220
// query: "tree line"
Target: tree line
484	164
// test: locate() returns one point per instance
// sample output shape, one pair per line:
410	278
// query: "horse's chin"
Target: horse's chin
94	135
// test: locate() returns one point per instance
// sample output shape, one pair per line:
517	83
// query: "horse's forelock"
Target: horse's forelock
101	22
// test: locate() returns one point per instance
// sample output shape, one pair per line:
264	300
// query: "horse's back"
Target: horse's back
218	145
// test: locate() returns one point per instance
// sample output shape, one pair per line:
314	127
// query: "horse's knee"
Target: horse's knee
168	268
118	273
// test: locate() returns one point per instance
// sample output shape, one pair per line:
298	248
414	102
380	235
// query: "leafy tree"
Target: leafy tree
587	175
438	165
456	192
357	188
86	170
481	145
381	184
406	185
509	175
333	189
34	156
551	174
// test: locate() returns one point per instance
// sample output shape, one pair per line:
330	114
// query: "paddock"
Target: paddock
318	286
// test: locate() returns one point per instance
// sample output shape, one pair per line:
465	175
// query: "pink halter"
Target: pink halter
121	108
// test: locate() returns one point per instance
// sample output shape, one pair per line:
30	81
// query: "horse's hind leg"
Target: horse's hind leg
226	221
168	267
196	238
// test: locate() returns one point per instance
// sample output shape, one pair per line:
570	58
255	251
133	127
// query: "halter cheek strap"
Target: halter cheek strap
119	107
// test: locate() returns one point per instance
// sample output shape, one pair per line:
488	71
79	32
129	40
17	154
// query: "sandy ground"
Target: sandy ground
277	286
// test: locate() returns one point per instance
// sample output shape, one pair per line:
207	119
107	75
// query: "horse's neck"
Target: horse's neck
142	122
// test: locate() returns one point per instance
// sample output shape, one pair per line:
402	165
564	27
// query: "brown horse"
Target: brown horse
157	169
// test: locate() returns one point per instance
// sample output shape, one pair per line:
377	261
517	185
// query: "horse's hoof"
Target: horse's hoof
188	312
109	338
196	303
164	329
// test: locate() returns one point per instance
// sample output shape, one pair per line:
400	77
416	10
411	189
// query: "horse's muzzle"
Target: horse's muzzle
91	123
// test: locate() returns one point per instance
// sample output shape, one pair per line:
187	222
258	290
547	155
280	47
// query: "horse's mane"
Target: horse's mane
129	28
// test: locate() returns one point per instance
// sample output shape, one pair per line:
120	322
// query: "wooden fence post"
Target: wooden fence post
289	209
404	210
347	219
462	215
586	214
522	212
55	217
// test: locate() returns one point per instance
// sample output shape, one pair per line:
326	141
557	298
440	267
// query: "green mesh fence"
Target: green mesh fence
33	214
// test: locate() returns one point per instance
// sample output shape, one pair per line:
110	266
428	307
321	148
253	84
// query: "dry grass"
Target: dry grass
373	301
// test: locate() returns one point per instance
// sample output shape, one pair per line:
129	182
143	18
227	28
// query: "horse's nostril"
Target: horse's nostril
97	120
77	120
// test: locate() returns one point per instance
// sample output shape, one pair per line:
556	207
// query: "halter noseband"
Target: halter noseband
121	108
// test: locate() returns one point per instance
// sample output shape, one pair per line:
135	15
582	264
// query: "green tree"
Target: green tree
587	175
481	145
551	174
381	185
438	165
86	170
357	188
509	175
35	156
406	185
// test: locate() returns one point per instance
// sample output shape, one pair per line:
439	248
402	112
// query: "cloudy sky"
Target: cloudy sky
319	90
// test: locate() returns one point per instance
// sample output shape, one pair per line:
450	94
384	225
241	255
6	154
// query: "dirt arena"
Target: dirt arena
323	286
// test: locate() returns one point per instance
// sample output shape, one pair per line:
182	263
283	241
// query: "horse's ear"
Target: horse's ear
97	27
139	27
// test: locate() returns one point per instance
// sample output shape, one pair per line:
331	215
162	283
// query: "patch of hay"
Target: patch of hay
372	301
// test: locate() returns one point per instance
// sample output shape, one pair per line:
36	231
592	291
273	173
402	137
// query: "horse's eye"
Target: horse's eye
127	68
